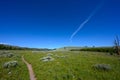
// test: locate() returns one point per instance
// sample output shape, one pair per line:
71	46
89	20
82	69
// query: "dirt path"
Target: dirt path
31	73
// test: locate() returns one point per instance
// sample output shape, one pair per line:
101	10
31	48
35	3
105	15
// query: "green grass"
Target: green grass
74	66
16	73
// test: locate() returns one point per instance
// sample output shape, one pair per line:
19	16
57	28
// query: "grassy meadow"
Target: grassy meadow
73	65
65	65
20	72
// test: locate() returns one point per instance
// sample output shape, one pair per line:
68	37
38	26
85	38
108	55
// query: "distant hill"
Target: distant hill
96	49
68	48
11	47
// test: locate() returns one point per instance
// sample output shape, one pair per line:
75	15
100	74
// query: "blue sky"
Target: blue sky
50	23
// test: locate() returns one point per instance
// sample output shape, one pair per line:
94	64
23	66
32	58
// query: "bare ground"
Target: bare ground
31	73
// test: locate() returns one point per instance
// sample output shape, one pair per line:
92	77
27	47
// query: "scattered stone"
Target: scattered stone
10	64
104	67
47	58
35	51
10	55
6	54
60	56
49	54
9	73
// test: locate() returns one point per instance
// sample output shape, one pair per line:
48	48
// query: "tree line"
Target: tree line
112	50
11	47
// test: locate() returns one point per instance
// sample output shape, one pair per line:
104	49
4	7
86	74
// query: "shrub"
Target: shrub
96	49
111	53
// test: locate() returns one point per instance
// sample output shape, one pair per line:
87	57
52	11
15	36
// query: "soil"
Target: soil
29	66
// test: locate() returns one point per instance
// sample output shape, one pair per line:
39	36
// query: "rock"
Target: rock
47	58
10	64
9	73
104	67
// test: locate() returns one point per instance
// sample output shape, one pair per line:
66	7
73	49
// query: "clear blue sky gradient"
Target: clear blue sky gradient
50	23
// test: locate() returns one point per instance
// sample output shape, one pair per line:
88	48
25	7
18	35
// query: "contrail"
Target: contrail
86	21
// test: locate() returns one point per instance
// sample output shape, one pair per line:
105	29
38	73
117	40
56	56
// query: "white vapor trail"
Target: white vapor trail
86	21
